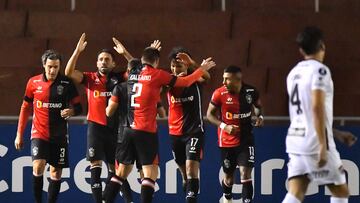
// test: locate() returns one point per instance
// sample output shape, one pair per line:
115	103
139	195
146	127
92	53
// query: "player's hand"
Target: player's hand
259	121
119	48
67	113
231	129
156	45
322	156
347	138
207	64
19	142
185	59
81	44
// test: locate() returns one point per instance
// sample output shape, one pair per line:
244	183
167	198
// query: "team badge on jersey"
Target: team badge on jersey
60	89
248	98
322	71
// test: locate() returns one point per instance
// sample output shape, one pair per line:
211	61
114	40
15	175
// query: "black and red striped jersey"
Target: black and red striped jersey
48	98
98	90
185	110
236	109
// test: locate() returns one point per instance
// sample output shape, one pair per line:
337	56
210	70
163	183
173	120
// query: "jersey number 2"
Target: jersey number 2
137	88
294	99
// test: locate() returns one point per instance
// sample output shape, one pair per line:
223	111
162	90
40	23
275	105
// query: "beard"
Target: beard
105	70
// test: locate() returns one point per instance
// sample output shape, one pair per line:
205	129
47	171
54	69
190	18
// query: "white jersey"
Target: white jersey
306	76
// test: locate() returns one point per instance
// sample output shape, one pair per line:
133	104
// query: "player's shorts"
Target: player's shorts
101	143
187	147
119	151
231	157
140	146
332	173
54	153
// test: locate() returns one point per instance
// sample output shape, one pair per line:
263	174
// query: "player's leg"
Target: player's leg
95	154
179	153
58	160
298	179
125	156
193	156
246	160
229	163
119	183
110	147
146	145
40	153
297	189
339	193
54	184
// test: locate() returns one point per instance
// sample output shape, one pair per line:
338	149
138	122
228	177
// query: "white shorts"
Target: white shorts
331	173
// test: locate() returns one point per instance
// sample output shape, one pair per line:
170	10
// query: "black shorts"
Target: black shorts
54	153
101	143
231	157
119	151
140	146
187	147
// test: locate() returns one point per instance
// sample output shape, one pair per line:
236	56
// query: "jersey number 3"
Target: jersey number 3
137	88
294	99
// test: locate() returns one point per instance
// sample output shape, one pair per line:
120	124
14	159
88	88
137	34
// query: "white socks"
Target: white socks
289	198
338	200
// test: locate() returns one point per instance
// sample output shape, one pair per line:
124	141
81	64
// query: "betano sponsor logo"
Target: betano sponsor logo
232	116
101	94
181	99
48	105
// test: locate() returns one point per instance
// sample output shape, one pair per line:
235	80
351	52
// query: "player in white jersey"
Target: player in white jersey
310	142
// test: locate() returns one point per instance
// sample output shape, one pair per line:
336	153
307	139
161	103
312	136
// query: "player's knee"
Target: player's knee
341	191
97	163
56	173
38	167
229	180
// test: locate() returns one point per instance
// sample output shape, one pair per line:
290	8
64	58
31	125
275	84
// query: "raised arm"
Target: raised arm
70	71
120	48
190	79
188	61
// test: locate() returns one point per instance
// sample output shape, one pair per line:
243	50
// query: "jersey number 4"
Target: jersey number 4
137	88
294	99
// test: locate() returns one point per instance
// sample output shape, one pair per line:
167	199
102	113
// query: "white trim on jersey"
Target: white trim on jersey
200	108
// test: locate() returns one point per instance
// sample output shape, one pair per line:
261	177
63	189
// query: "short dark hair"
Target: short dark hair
50	54
150	55
176	50
108	51
232	69
135	66
310	40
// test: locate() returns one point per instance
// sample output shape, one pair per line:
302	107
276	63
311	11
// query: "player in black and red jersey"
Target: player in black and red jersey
140	138
101	136
236	101
186	126
54	99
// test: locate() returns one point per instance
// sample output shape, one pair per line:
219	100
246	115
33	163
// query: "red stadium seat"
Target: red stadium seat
21	52
39	5
12	24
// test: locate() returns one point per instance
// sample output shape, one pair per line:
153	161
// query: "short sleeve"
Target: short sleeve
29	94
166	78
215	98
86	77
321	79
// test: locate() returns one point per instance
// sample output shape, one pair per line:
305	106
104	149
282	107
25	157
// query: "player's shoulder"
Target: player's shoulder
248	88
221	90
36	78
